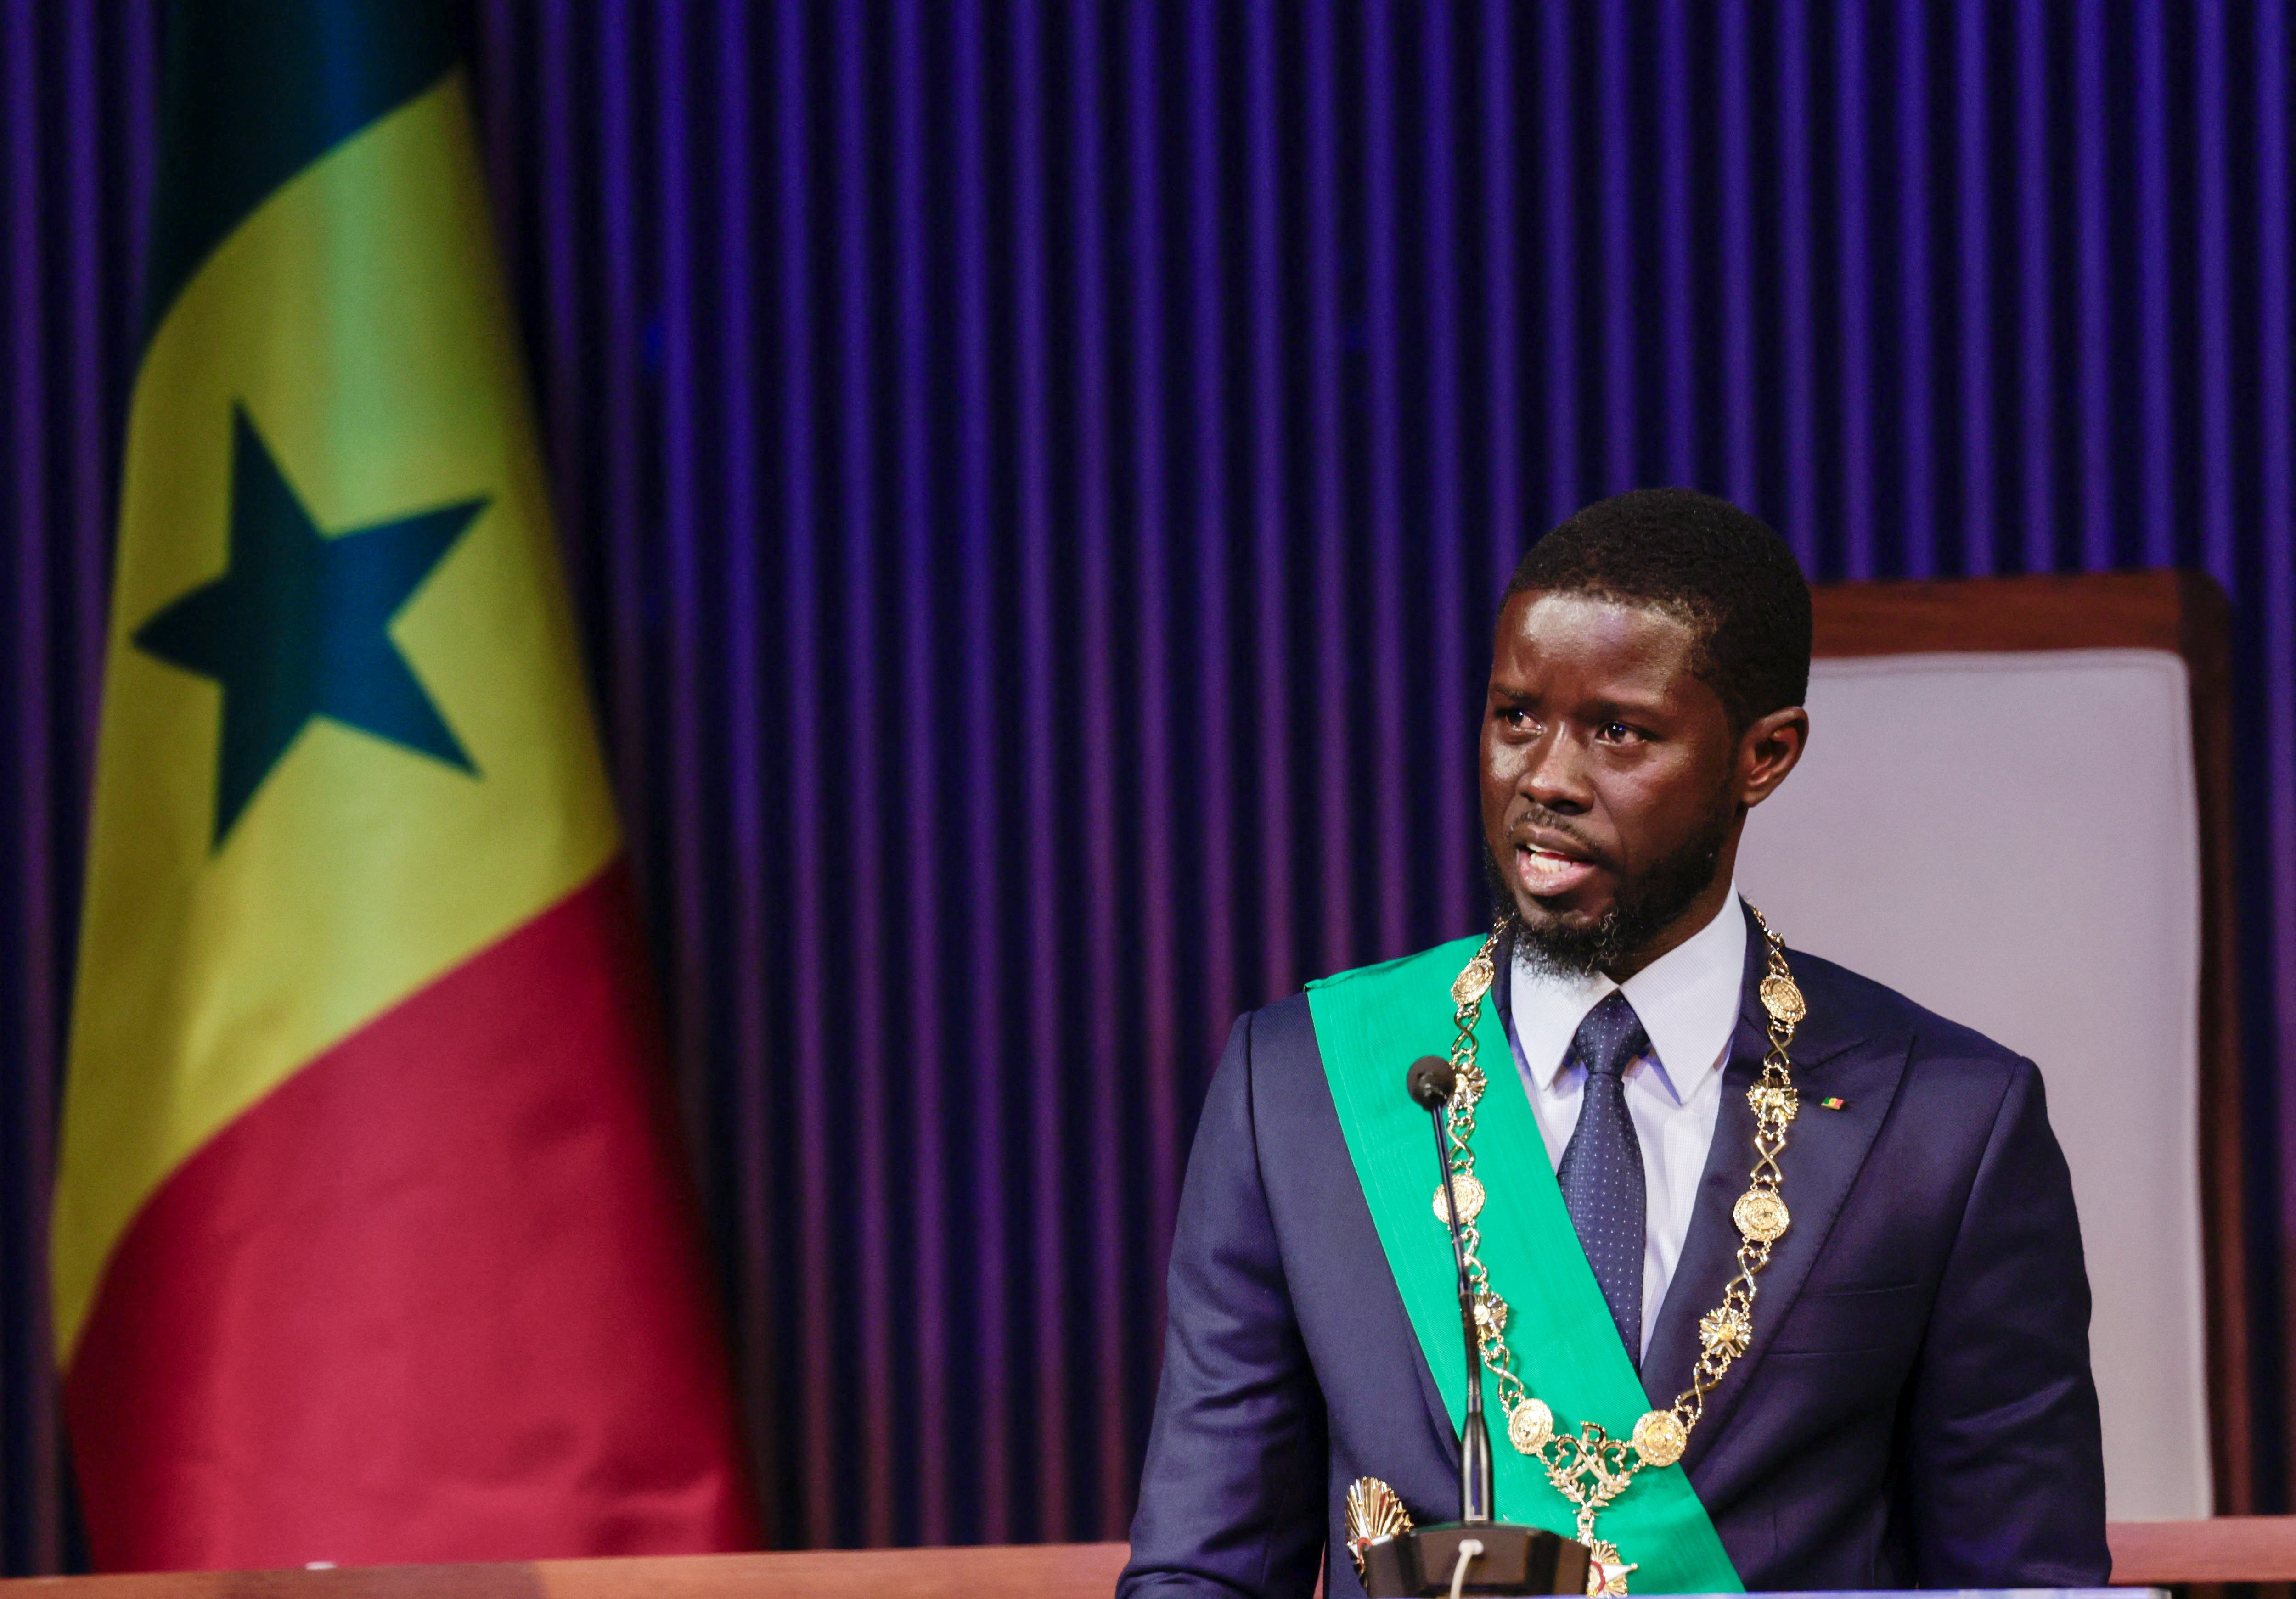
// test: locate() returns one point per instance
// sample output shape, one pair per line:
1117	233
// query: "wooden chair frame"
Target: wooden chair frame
2186	614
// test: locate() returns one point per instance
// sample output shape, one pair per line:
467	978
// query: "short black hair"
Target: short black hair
1702	558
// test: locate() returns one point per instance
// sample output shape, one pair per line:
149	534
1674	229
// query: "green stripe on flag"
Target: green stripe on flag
257	90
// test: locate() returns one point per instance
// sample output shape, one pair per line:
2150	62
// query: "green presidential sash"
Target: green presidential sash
1370	1025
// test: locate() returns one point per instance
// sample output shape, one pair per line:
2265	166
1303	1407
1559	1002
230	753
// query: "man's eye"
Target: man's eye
1616	732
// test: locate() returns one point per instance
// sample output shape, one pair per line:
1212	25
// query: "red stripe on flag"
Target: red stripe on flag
438	1297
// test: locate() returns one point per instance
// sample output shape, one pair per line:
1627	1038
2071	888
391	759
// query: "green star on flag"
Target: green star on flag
298	627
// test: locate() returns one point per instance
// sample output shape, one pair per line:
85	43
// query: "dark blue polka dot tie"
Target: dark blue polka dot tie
1601	1169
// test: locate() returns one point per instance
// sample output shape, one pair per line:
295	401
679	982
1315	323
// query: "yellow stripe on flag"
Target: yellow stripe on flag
358	320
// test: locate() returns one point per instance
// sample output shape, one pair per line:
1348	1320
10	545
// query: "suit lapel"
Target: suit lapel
1831	1056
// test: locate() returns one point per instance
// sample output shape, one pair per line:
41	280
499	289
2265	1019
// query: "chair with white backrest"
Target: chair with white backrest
2016	809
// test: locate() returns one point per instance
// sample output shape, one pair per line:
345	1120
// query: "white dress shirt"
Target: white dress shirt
1688	1002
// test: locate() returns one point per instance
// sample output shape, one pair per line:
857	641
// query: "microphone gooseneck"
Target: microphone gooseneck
1429	1083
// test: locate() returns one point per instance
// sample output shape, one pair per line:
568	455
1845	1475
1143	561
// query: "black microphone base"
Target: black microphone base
1515	1560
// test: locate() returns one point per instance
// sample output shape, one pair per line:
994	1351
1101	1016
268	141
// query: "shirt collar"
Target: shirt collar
1688	999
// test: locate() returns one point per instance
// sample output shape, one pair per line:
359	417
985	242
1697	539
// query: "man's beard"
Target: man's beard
1646	901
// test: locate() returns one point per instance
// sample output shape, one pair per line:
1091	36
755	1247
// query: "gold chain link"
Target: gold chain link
1590	1468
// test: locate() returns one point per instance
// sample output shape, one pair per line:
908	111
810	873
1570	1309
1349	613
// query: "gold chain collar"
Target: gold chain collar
1591	1468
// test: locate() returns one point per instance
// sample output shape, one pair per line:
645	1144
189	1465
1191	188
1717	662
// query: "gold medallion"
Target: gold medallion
1471	985
1467	1088
1769	1100
1532	1426
1782	998
1725	1332
1470	1200
1660	1437
1490	1312
1760	1214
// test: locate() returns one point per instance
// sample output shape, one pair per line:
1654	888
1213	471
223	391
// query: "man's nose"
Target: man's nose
1555	775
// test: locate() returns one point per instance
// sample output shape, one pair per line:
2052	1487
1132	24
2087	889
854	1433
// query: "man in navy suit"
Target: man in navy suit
1914	1405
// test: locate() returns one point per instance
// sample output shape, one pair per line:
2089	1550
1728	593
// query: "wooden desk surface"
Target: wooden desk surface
2145	1554
1037	1571
2224	1549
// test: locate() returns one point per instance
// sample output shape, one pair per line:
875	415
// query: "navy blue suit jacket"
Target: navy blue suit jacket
1915	1410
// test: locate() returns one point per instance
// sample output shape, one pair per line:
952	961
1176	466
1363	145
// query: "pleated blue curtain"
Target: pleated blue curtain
1039	477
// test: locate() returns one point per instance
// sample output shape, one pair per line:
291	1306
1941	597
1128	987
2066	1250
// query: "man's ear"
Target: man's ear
1768	751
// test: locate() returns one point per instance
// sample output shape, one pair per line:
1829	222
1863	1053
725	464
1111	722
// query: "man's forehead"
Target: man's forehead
1590	626
1674	608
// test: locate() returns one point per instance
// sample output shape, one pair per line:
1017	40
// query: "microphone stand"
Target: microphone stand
1475	1496
1474	1554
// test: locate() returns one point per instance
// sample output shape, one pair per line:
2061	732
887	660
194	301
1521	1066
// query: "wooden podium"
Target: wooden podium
2145	1554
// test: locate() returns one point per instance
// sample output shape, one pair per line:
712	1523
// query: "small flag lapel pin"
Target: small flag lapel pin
1832	1104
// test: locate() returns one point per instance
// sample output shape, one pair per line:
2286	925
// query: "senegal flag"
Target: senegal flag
370	1244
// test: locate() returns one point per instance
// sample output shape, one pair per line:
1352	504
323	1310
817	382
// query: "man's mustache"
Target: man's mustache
1537	815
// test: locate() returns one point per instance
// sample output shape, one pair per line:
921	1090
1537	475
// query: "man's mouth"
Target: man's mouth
1543	871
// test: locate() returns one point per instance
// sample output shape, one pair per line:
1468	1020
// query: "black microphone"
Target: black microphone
1473	1555
1438	1561
1430	1082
